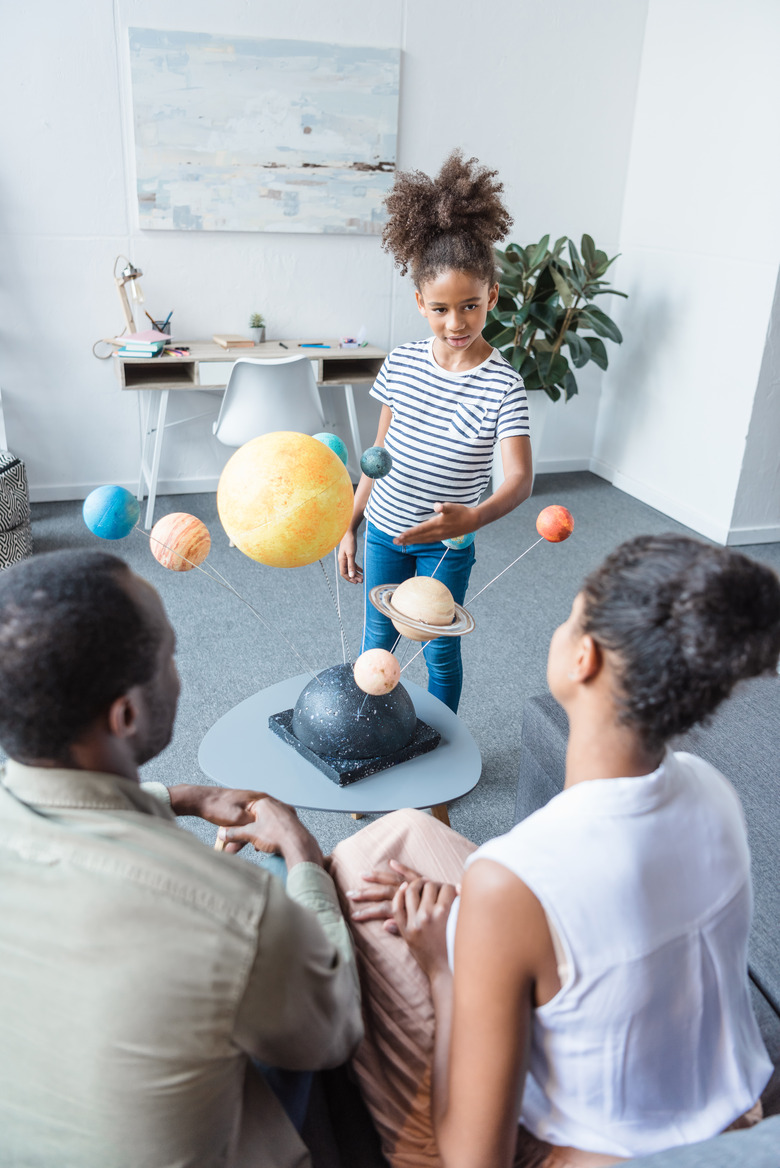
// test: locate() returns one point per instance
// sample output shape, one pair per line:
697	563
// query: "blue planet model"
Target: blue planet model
458	542
376	462
335	443
111	512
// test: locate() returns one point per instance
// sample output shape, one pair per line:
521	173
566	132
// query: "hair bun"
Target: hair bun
463	202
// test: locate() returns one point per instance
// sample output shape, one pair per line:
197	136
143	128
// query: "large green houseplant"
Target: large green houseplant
545	305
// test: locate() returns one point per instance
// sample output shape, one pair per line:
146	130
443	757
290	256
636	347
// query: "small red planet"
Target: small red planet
555	523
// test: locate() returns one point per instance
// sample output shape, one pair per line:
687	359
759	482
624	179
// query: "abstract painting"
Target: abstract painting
251	134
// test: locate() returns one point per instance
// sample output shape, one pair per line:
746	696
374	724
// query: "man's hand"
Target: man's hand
276	829
221	805
420	910
348	569
377	894
450	520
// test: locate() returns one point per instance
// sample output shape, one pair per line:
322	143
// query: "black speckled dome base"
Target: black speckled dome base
349	770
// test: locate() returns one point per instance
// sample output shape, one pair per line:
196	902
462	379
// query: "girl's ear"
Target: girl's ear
123	717
493	297
420	301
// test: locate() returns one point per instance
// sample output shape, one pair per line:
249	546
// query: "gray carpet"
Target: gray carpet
225	654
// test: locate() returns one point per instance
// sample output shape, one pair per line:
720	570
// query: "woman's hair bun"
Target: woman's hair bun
686	621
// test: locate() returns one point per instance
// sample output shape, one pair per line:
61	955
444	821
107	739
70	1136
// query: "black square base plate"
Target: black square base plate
348	770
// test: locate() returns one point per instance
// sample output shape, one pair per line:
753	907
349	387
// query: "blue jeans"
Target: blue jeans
385	562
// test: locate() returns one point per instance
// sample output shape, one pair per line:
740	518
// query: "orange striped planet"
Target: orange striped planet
180	541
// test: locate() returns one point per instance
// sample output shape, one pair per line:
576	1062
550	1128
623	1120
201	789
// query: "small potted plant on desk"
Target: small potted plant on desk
257	325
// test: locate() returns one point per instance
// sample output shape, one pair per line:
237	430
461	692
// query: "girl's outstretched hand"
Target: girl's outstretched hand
420	911
375	898
348	569
450	520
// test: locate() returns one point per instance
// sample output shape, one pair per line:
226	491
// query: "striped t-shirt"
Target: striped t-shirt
444	428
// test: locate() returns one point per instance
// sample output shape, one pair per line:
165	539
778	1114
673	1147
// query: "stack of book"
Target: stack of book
143	345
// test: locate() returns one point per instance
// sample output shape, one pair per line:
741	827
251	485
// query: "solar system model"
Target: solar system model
285	499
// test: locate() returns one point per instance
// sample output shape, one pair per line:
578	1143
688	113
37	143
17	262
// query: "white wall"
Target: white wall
701	245
756	517
544	92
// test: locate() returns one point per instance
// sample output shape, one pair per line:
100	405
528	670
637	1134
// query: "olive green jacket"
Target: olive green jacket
139	970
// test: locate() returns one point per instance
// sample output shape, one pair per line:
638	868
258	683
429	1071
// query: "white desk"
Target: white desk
207	367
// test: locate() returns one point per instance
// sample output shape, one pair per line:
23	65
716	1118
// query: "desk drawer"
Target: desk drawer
214	372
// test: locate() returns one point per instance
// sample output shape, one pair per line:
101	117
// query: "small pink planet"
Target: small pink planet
377	671
180	541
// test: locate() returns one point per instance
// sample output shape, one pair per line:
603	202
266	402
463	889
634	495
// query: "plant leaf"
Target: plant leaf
598	352
538	252
564	290
553	368
552	392
579	349
501	339
588	249
541	345
610	292
570	385
601	324
544	312
505	303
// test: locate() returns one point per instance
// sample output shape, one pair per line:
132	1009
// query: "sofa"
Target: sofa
742	740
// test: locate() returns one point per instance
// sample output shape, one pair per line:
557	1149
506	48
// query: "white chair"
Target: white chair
266	394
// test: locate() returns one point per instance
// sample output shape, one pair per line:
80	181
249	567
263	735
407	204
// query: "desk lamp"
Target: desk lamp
128	275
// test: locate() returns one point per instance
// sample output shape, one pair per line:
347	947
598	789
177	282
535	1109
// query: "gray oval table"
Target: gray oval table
240	751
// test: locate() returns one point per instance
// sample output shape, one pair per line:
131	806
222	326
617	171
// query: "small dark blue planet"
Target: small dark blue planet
375	462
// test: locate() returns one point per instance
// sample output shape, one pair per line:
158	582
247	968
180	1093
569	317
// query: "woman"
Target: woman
599	1007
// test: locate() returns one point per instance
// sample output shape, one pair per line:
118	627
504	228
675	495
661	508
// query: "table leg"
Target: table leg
440	812
354	429
155	468
357	814
145	407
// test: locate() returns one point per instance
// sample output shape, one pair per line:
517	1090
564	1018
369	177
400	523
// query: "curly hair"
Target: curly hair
686	622
449	223
72	640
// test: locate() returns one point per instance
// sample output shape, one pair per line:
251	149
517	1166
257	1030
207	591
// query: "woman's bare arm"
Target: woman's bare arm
504	965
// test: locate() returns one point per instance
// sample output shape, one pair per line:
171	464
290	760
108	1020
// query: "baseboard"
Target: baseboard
768	533
561	465
697	521
70	491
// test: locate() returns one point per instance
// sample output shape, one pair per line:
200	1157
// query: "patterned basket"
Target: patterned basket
15	531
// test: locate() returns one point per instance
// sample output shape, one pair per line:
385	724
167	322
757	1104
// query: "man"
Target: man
140	972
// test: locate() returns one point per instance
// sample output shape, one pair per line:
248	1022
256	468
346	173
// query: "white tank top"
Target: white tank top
651	1041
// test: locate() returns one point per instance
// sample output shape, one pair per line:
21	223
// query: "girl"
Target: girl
599	996
445	403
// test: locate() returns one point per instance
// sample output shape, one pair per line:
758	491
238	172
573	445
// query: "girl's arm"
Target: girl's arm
348	569
454	519
505	964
